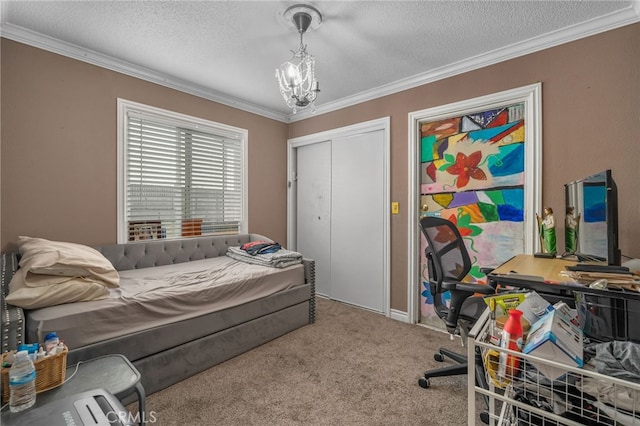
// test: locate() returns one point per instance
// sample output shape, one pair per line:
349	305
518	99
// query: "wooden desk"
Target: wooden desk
605	314
544	276
546	269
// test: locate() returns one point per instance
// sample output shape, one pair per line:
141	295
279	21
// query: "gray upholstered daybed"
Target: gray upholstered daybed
167	345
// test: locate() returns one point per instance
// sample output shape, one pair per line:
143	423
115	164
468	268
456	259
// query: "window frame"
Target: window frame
123	108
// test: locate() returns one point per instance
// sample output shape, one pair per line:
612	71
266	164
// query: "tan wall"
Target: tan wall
59	137
59	147
590	116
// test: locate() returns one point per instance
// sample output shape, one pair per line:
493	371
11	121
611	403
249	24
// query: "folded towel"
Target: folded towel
279	259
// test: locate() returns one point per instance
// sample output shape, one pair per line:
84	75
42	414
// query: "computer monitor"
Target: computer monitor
591	222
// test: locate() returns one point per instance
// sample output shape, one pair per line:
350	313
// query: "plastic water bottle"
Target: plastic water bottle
511	339
22	383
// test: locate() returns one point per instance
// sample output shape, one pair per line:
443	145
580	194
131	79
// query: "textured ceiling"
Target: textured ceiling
230	49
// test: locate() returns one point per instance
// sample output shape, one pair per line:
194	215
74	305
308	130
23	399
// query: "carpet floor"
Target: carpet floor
352	367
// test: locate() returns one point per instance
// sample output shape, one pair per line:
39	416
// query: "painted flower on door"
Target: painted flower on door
466	168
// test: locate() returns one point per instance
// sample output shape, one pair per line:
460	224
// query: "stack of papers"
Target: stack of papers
628	281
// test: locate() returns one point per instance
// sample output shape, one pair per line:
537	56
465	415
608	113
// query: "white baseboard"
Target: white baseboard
399	315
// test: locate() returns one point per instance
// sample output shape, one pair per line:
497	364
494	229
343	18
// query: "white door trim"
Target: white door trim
383	124
531	96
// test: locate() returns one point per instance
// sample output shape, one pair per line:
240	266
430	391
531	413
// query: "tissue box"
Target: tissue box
554	338
572	314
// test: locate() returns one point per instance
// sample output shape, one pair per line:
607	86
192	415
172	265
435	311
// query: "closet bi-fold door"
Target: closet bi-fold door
337	211
357	220
313	210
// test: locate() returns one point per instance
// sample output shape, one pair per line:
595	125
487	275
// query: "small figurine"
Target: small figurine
571	224
547	231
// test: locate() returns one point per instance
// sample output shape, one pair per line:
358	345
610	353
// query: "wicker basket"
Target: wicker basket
50	373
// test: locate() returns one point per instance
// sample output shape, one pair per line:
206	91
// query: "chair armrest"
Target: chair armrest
459	293
12	330
468	287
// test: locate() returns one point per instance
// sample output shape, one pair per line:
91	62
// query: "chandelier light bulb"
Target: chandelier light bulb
292	71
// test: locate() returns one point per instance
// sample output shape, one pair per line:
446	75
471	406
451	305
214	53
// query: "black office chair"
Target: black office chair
448	263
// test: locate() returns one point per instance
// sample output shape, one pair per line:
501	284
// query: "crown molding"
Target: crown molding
594	26
41	41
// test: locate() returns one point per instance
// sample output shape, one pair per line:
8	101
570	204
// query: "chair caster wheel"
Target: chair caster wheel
424	383
438	357
484	417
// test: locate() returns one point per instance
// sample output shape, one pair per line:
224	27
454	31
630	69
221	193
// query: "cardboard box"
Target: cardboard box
554	337
534	307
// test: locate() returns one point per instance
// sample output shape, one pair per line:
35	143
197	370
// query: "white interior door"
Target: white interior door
357	220
313	212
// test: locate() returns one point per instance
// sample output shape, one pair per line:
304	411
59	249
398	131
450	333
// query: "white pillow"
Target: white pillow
53	273
44	257
57	292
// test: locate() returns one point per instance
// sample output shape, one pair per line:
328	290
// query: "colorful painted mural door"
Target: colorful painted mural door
472	173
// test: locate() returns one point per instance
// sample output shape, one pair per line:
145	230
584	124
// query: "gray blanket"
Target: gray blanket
618	359
280	259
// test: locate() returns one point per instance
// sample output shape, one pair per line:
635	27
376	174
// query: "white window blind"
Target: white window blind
182	179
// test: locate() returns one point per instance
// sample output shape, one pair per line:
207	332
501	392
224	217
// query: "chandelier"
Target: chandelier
296	77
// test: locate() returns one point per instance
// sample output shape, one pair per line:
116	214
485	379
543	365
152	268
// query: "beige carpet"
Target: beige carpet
352	367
